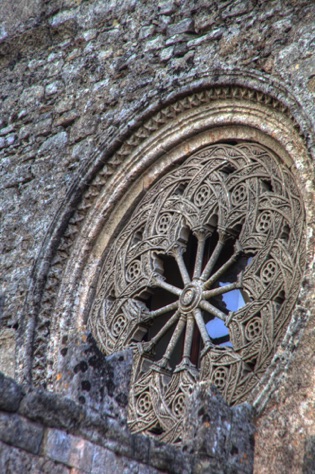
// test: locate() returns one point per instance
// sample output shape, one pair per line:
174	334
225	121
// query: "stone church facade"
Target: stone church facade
157	236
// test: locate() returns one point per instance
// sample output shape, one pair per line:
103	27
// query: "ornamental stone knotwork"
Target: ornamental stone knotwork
201	281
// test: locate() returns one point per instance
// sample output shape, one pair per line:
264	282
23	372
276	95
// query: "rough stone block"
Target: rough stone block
216	34
17	461
215	430
167	457
70	450
98	382
241	441
237	8
309	456
184	26
10	394
167	8
53	88
167	53
155	44
51	409
103	457
117	464
56	142
32	95
208	422
17	431
83	127
62	18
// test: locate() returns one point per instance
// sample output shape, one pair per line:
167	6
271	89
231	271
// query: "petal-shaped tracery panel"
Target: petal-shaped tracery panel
202	280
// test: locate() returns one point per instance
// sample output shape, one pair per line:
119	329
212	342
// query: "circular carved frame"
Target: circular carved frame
230	220
196	120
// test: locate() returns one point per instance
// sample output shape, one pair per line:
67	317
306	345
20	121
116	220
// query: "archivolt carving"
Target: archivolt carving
202	280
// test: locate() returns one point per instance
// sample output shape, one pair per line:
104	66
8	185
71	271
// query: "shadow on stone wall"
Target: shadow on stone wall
47	432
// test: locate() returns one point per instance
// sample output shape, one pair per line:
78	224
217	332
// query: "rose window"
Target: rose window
201	281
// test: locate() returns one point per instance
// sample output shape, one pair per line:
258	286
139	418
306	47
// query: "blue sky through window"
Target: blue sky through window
233	300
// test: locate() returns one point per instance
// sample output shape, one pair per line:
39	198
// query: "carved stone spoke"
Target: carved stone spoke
178	253
202	327
166	286
199	255
212	310
211	280
166	327
212	260
220	291
164	362
161	311
188	339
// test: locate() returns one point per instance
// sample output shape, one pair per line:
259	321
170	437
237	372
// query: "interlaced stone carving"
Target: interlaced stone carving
201	281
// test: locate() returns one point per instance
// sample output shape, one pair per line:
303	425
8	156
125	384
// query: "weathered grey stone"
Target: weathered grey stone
240	7
32	95
166	53
216	34
56	142
309	456
70	450
267	42
67	17
17	461
146	32
83	127
117	464
242	441
7	335
216	431
51	409
167	7
95	381
11	394
208	422
53	88
17	431
155	44
184	26
6	130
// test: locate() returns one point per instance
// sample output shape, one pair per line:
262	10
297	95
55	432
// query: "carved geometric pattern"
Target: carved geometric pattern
202	280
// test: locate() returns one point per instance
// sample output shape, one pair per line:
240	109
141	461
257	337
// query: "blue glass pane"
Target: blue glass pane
226	344
233	299
217	329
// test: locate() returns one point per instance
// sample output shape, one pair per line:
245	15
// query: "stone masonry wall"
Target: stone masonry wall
73	75
42	432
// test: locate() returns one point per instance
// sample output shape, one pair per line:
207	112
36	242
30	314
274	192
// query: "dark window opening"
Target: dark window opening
181	188
285	233
228	169
190	254
138	236
156	430
279	299
266	185
230	301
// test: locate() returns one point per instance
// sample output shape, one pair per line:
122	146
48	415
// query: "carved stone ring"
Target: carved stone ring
202	280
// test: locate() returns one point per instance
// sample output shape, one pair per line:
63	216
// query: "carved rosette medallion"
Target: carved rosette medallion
202	280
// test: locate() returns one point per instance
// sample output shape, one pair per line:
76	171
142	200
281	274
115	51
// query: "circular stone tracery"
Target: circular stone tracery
206	273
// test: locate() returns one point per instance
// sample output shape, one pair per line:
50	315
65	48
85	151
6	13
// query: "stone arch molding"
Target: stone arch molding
226	118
